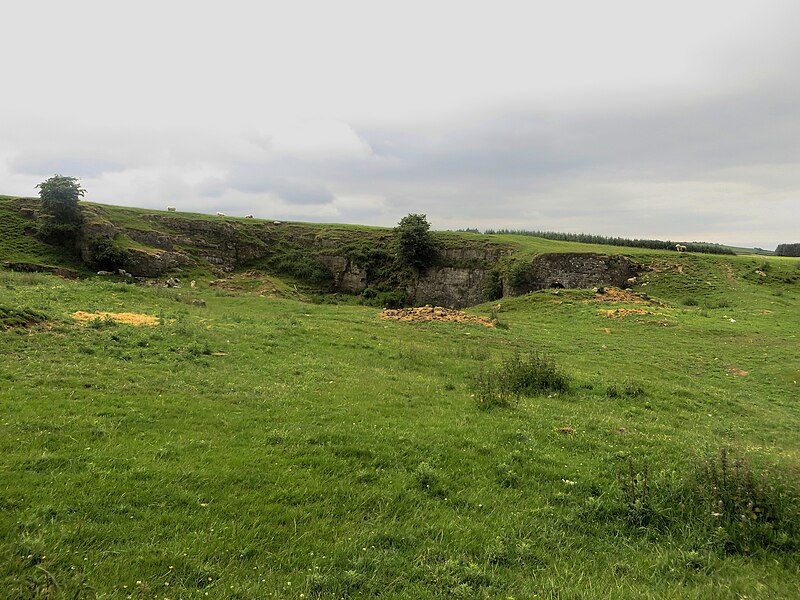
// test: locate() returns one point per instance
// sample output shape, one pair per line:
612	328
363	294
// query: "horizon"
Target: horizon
624	120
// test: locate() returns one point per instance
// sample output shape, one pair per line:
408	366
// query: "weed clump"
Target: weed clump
722	500
744	508
627	389
529	375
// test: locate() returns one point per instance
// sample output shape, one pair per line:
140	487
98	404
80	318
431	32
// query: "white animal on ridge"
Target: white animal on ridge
220	214
680	248
248	216
171	208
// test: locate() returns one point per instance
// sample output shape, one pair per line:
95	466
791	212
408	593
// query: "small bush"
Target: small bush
690	301
519	376
107	255
493	285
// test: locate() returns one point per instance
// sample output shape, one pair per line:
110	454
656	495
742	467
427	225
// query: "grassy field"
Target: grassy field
264	447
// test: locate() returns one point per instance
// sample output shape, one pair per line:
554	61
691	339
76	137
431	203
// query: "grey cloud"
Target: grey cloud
30	164
258	179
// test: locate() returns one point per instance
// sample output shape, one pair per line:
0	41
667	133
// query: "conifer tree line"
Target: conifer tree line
787	250
587	238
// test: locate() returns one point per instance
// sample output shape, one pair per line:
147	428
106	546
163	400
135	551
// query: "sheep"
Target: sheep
171	208
680	248
192	283
248	216
220	214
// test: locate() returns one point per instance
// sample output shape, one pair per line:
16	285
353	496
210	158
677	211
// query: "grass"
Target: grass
261	446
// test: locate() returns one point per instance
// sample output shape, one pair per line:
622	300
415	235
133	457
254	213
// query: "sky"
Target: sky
670	120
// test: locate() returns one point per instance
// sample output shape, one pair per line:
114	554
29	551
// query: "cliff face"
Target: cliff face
459	279
451	287
570	270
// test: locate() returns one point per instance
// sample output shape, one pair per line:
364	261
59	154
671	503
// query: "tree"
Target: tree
415	244
60	196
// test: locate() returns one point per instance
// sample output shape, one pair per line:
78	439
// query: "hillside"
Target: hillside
237	440
325	258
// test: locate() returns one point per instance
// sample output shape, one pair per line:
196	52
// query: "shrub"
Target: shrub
107	255
415	245
493	285
535	373
690	301
304	268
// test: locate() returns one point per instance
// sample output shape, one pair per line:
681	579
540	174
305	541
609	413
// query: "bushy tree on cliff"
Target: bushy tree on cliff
60	196
415	244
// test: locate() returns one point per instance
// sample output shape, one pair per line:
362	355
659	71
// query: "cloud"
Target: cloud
677	121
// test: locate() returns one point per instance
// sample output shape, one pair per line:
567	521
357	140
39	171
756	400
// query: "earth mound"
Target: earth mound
434	313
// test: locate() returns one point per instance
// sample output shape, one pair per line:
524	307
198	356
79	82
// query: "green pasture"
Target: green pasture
264	447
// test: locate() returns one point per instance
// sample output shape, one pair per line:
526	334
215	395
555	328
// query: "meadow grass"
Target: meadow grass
264	447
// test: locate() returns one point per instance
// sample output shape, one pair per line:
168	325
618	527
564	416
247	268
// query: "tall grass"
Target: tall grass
519	375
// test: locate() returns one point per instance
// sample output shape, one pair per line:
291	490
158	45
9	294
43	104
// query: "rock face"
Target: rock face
451	287
347	276
458	280
570	270
143	263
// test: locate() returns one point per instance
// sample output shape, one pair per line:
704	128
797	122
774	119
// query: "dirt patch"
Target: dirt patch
619	296
434	313
224	284
130	318
611	295
737	372
621	313
729	271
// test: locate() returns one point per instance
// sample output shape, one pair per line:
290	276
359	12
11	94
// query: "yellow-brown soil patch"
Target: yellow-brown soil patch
620	296
131	318
621	313
737	372
434	313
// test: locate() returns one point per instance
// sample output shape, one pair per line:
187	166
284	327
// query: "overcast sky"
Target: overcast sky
673	120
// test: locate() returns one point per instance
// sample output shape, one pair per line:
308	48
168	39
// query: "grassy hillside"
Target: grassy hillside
259	446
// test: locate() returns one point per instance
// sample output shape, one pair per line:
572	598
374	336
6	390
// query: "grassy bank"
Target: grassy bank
262	447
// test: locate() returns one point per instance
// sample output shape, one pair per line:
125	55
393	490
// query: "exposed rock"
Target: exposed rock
571	270
150	238
347	276
142	263
446	286
27	267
